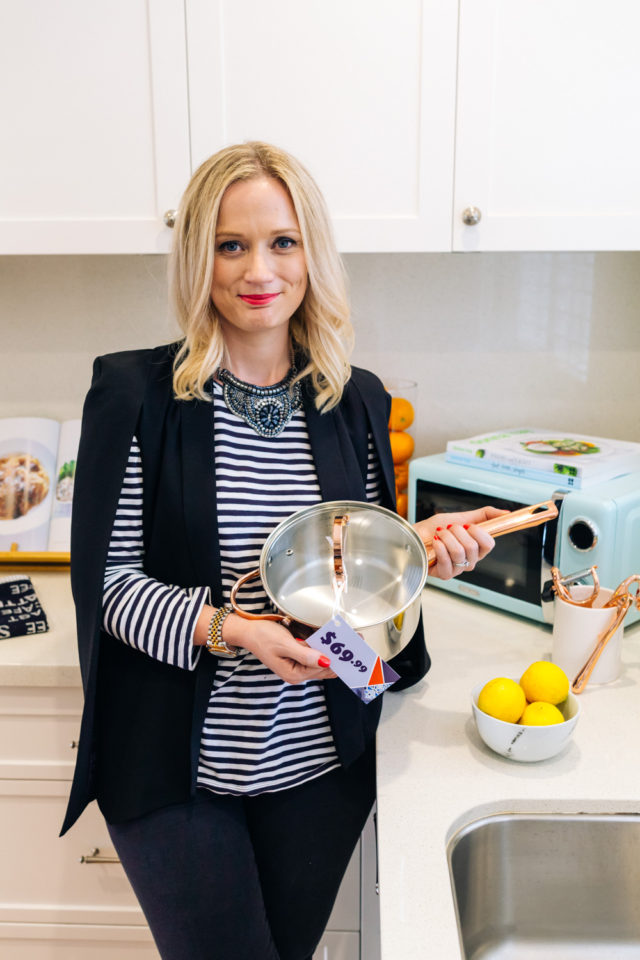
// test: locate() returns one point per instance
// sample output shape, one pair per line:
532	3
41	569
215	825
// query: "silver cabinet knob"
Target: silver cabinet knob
169	218
471	216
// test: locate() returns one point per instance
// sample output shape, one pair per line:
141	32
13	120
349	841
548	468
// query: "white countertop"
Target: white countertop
435	774
46	659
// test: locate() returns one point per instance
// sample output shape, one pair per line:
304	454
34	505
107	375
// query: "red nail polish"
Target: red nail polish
436	537
449	525
466	526
299	639
324	662
438	528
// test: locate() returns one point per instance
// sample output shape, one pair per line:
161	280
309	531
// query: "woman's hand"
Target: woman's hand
457	541
290	659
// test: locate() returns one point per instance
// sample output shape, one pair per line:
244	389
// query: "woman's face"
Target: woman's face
260	270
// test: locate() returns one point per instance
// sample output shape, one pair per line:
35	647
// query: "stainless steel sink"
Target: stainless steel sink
561	887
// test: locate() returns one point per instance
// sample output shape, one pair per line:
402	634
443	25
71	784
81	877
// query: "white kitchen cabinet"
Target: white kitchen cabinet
94	137
52	905
362	93
548	125
525	110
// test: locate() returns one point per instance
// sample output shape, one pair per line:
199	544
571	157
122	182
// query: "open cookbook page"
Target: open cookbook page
37	468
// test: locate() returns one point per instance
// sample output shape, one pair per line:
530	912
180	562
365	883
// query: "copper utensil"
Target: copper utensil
622	598
560	584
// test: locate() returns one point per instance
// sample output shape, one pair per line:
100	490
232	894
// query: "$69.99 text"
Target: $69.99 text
340	650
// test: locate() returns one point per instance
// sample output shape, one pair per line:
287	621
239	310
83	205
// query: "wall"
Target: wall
494	340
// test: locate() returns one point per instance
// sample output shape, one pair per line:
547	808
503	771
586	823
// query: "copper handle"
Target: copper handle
582	677
338	538
278	617
531	516
561	583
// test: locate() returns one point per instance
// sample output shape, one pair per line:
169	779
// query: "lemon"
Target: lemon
545	681
539	714
503	699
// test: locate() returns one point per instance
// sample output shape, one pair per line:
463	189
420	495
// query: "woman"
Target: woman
234	771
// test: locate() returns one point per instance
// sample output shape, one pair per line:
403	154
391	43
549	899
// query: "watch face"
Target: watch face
220	649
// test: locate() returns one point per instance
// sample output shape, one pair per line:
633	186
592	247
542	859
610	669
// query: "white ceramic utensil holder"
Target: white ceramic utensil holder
576	631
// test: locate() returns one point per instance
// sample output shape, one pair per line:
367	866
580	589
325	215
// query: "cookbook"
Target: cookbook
573	459
37	471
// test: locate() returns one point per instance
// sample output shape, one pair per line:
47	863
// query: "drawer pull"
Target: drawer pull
73	745
94	857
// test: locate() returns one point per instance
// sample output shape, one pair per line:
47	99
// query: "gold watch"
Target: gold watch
215	643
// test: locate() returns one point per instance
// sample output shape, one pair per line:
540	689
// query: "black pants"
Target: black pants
255	878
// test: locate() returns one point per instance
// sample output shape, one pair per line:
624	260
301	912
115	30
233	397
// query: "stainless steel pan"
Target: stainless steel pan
359	560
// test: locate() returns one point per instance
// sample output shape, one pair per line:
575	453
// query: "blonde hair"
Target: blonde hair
320	328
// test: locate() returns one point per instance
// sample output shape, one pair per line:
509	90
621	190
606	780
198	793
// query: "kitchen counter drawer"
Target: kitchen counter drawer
42	880
50	941
47	941
38	726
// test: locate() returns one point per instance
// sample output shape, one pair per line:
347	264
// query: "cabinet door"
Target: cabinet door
338	946
363	93
548	125
345	915
94	134
369	896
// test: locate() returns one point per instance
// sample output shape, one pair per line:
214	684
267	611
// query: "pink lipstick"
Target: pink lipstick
258	299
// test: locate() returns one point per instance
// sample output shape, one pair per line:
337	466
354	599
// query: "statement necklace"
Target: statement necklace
266	409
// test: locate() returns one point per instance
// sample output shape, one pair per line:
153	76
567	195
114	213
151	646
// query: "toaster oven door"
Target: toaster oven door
513	574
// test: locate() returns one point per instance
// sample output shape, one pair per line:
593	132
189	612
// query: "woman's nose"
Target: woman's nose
258	266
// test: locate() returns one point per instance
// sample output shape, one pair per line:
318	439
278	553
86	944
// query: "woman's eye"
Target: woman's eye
284	243
229	246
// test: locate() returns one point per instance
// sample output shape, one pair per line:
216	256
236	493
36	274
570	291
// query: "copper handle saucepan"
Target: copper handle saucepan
531	516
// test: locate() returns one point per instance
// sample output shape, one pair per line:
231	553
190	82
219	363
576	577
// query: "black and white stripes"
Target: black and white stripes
153	617
260	734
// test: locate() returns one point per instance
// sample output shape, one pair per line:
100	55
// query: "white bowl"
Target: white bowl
524	743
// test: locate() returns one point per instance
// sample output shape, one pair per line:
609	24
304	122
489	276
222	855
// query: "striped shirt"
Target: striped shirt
260	734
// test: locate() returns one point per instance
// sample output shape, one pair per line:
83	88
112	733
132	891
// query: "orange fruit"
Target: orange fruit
402	476
402	445
402	504
402	414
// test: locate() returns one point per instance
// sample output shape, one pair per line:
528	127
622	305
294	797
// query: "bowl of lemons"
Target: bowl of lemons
528	719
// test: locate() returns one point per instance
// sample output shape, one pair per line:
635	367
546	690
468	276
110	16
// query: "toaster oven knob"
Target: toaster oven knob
583	535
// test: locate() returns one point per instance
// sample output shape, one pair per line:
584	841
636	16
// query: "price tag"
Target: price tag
352	659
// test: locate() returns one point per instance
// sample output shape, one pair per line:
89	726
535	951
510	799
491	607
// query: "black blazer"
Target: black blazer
142	719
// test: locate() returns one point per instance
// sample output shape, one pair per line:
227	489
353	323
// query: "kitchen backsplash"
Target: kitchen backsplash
493	339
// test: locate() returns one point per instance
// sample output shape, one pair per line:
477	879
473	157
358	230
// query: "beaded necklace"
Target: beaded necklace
266	409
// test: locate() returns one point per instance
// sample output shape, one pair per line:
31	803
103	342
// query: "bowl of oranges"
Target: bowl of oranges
528	719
